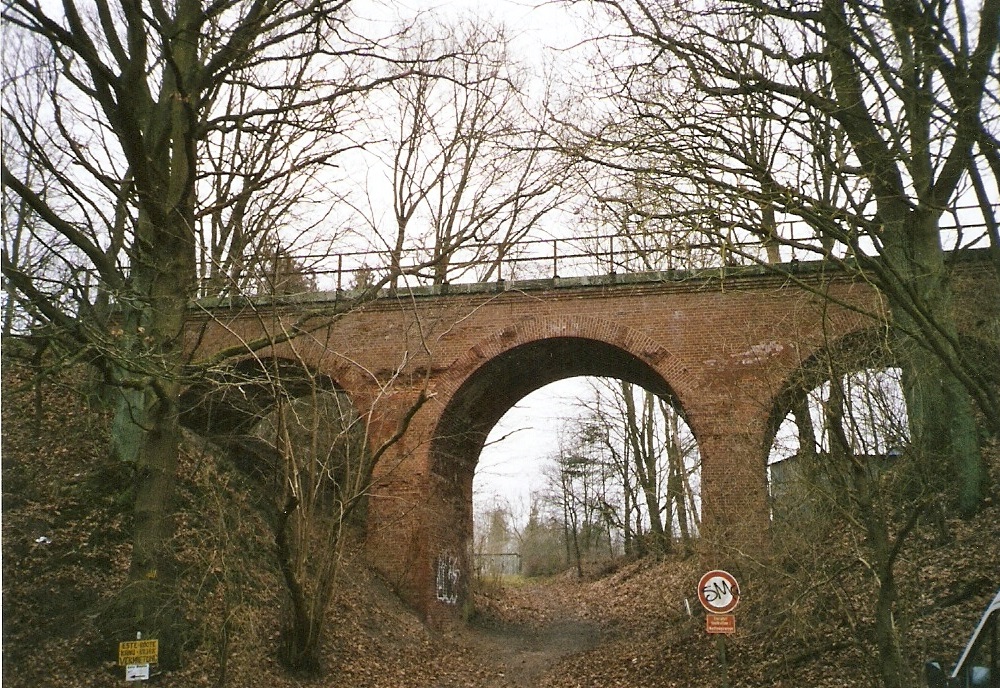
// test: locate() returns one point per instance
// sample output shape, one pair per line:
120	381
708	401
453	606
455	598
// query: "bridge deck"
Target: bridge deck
762	276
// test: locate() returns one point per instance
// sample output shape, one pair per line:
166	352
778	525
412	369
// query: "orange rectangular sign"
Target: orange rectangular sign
720	623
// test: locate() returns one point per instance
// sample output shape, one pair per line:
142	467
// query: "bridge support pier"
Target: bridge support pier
735	513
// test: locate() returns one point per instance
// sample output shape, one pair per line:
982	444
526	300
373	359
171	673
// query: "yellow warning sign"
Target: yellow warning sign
138	652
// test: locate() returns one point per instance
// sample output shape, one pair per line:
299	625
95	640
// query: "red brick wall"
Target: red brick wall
723	348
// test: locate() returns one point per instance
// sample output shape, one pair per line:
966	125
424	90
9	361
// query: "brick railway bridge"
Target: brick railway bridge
723	345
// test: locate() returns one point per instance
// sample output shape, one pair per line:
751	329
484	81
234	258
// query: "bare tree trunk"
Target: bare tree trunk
675	476
862	488
639	437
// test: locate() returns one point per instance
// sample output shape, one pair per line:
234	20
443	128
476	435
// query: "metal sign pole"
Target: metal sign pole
719	594
720	644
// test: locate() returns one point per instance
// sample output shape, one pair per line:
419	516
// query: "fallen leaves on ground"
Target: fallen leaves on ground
66	550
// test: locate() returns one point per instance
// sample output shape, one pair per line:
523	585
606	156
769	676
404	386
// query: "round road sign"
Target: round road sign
718	592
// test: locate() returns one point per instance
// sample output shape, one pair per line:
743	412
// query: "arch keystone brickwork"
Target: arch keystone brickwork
532	329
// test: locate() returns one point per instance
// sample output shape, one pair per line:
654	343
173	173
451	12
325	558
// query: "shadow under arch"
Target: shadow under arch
232	399
479	403
279	422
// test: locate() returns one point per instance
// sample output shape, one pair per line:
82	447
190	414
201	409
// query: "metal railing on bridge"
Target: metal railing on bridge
582	256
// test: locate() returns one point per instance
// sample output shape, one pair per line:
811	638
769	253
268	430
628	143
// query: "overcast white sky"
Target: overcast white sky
523	443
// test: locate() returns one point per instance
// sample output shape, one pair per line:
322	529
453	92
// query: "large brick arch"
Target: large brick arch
491	389
484	383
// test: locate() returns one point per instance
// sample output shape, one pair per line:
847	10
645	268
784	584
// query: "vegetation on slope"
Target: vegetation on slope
805	618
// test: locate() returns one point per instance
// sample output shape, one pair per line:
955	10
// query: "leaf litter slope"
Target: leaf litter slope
66	528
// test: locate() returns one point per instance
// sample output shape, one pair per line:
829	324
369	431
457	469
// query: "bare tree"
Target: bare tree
543	540
862	477
496	542
580	489
875	124
603	420
569	483
323	478
640	433
462	153
655	462
273	183
27	244
682	512
135	100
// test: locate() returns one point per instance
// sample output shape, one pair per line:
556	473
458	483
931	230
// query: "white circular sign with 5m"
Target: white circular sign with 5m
718	592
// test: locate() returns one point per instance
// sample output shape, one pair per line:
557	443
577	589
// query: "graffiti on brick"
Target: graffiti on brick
449	571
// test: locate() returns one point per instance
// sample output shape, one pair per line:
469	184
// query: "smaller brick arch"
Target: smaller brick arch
859	349
855	351
234	406
234	397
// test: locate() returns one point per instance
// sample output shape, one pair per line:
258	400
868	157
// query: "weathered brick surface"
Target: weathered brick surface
723	347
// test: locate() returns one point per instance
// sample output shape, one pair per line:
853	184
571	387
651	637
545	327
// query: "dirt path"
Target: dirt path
528	635
523	656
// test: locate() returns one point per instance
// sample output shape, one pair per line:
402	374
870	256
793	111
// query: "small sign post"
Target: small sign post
719	593
136	656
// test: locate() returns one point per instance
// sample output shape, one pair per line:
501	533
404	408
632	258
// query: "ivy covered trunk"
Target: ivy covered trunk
150	360
944	433
147	436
